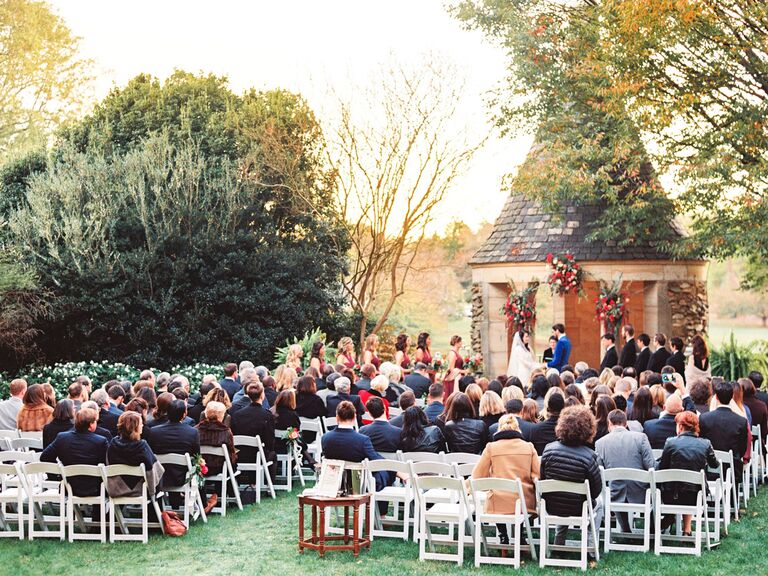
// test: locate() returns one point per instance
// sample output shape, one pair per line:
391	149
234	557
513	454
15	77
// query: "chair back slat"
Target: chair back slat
421	456
461	458
547	486
17	456
437	468
614	474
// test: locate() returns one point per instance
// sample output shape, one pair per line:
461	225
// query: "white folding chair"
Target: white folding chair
520	518
461	458
289	463
34	435
715	498
315	425
25	444
394	412
698	511
444	513
260	467
6	435
41	491
142	500
399	494
731	501
586	522
420	456
756	462
641	509
226	476
193	502
74	502
11	496
329	423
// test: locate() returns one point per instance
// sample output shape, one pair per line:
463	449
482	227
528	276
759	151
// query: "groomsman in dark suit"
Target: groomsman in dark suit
644	356
611	357
629	351
677	359
661	354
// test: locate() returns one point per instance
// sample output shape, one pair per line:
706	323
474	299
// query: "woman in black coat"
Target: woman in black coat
463	432
417	435
63	421
128	448
571	459
686	451
286	418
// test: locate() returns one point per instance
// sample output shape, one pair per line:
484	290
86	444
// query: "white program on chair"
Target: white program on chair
698	511
400	495
449	514
642	509
143	500
11	496
193	503
39	492
74	502
520	519
586	523
260	467
227	476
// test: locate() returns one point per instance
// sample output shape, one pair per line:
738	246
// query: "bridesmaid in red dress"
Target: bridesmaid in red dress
402	359
317	357
455	367
346	355
369	354
423	353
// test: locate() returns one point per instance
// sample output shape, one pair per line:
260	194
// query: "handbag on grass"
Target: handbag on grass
173	524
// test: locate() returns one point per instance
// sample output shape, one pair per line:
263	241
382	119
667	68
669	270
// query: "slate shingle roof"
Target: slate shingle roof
523	232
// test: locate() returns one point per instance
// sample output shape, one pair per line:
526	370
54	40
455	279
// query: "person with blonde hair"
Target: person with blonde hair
293	358
605	376
512	393
369	353
346	353
508	456
379	387
491	407
285	379
474	393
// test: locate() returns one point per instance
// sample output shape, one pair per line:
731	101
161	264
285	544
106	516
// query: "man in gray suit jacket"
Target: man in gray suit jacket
622	448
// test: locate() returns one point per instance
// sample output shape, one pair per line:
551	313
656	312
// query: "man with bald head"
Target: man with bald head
664	426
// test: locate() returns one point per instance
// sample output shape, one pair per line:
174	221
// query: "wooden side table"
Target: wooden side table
317	541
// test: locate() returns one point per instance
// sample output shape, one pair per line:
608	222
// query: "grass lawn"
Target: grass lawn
262	540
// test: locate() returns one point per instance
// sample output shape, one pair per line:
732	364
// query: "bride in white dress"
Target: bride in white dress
521	359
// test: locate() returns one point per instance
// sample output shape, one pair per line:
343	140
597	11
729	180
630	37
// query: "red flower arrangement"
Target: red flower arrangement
566	274
611	305
473	363
520	307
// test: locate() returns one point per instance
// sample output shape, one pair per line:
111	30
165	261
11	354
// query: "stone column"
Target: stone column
689	308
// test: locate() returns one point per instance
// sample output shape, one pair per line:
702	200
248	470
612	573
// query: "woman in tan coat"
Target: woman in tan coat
35	411
509	456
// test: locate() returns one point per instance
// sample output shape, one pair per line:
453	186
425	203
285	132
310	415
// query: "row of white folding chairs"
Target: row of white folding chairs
18	440
27	483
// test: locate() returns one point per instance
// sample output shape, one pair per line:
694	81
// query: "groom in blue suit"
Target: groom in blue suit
562	348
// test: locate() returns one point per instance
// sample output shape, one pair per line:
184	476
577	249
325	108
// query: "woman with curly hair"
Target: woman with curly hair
293	358
402	359
571	459
317	356
369	353
698	362
346	354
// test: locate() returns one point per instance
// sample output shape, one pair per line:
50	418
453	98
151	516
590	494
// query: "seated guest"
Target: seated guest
342	386
139	406
394	375
539	388
508	456
474	393
80	446
75	393
174	437
308	403
116	395
128	448
434	406
491	408
418	435
530	411
384	436
757	379
463	432
515	408
35	411
213	432
247	377
159	416
368	373
325	381
230	383
286	418
725	429
685	451
570	458
100	431
9	409
254	420
345	443
63	421
757	408
700	390
621	448
418	380
543	433
642	410
196	408
604	406
407	399
659	429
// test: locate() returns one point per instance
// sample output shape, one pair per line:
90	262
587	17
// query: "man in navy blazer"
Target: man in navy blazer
230	382
562	348
663	427
343	385
175	437
344	443
384	436
435	405
107	419
80	446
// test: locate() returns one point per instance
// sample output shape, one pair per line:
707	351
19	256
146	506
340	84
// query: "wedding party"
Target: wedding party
466	285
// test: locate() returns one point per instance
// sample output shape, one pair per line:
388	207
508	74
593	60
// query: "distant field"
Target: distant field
720	330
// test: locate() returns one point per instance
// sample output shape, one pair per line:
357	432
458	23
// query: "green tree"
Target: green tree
42	77
172	229
689	75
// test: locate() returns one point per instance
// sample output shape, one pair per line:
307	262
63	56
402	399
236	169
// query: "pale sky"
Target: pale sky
308	47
